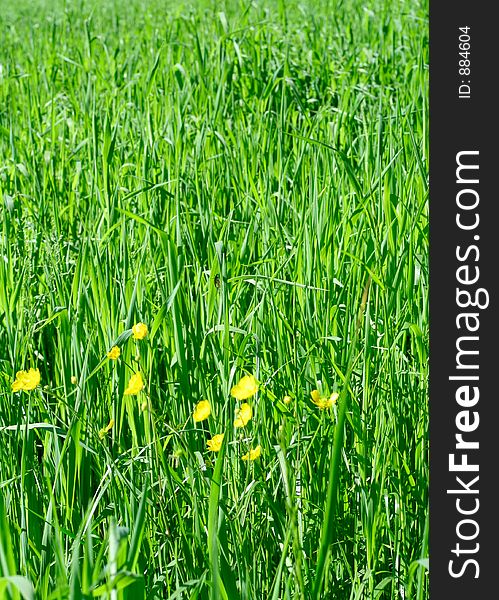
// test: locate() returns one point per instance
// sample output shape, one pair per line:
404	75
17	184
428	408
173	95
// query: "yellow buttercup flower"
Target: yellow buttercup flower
74	379
135	385
287	399
243	415
114	353
245	388
202	411
105	429
26	380
321	401
139	331
215	443
253	454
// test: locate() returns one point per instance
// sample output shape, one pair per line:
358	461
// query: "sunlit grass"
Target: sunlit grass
230	175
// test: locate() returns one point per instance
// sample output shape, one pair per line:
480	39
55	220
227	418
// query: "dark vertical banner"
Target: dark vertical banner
464	413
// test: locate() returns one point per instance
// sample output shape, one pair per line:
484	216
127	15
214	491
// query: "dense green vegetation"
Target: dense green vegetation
235	175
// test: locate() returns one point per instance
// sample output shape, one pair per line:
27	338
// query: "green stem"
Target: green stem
334	470
217	588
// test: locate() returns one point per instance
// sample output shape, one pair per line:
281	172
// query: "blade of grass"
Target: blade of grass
334	469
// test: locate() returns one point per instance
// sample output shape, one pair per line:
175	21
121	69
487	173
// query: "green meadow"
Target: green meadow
249	180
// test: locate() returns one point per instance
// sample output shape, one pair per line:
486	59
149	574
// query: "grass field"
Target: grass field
249	180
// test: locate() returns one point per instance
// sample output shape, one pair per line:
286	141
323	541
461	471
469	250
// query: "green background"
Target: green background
231	174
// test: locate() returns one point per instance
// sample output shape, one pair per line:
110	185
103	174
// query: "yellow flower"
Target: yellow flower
246	388
321	401
134	385
287	399
253	454
74	379
216	442
114	353
105	429
139	331
243	415
202	411
26	380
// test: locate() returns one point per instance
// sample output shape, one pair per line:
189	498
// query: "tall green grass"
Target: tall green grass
231	174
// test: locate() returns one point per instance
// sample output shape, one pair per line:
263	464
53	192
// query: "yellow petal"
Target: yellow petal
106	429
17	385
135	385
215	443
245	388
202	411
114	353
315	395
243	415
139	331
253	454
287	399
32	379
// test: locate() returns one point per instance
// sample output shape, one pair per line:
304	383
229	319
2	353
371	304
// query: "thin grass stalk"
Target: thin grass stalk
334	471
